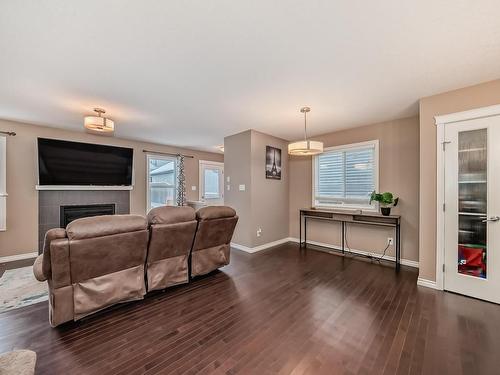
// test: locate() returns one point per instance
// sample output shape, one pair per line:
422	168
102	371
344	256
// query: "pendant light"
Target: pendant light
305	147
99	123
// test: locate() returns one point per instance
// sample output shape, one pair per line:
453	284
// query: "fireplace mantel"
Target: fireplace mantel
81	187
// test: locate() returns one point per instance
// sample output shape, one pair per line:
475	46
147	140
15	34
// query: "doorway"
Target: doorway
471	208
211	183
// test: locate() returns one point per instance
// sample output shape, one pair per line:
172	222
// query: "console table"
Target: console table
345	217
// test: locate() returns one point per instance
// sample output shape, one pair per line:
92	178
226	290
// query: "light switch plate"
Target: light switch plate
228	187
193	187
228	179
242	187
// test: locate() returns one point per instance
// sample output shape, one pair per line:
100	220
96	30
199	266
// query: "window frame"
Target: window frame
148	182
346	147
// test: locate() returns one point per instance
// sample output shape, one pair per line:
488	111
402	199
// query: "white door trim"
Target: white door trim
440	186
218	163
492	110
441	122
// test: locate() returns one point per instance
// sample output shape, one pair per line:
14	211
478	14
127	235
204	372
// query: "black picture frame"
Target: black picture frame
273	163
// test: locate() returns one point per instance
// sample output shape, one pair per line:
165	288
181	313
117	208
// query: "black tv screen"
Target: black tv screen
75	163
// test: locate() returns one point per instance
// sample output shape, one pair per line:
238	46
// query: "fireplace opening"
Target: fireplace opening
73	212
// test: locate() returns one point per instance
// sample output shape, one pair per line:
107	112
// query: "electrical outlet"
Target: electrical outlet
390	241
259	232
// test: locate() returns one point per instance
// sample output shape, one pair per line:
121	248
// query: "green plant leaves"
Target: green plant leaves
385	199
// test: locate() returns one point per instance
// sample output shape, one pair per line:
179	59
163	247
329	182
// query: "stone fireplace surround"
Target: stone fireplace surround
50	202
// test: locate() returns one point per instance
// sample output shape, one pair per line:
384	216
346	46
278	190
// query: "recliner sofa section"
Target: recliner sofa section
95	263
172	231
211	248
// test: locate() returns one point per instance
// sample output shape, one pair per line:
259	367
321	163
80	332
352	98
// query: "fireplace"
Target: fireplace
52	205
73	212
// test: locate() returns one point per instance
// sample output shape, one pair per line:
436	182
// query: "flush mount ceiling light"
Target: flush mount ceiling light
99	123
305	147
221	148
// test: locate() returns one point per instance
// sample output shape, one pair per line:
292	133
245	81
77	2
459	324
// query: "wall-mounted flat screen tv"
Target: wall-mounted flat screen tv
75	163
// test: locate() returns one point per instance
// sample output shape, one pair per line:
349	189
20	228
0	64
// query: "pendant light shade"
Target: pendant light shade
305	147
99	123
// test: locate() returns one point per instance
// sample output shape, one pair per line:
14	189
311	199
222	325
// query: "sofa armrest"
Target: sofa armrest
38	270
51	235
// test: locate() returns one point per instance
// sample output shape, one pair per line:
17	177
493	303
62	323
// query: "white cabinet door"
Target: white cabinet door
472	208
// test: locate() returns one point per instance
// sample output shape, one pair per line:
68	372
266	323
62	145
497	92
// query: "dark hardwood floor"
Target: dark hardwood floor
280	311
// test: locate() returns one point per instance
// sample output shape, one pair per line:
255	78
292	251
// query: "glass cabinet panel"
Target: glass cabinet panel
472	202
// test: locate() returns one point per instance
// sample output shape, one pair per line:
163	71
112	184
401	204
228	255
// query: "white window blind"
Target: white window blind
3	183
345	176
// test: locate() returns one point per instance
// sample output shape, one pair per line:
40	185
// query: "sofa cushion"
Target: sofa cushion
215	212
171	215
99	226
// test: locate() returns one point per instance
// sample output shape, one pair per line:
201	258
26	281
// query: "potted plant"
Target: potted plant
386	200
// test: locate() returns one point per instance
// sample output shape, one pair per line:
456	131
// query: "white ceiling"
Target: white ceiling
189	73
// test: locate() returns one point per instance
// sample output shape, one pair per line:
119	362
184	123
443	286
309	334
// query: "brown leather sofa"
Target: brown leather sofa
172	231
99	261
96	262
211	248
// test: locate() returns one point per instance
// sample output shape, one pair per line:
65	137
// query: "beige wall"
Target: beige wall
237	155
477	96
22	203
264	203
399	173
269	197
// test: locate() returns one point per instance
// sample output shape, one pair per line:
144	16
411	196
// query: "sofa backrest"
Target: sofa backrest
172	231
106	244
215	226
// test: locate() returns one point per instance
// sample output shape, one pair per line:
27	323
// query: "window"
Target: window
345	176
211	183
162	181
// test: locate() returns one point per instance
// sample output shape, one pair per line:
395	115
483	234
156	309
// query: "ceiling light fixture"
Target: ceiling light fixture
221	148
99	123
305	147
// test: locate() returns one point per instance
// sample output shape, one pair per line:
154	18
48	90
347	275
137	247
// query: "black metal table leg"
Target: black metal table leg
300	229
343	237
305	231
398	247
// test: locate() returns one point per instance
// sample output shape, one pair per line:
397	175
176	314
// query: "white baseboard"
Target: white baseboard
260	247
13	258
405	262
427	283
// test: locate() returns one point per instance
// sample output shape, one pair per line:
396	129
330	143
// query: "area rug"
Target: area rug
18	362
19	288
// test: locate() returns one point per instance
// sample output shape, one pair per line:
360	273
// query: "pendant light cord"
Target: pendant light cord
305	126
